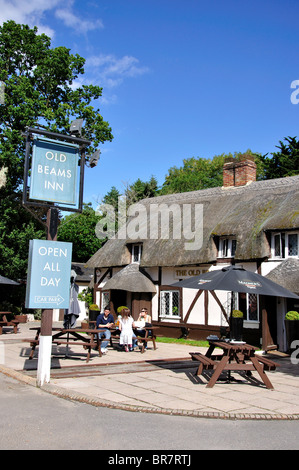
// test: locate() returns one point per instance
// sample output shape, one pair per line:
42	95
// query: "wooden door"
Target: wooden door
141	300
269	327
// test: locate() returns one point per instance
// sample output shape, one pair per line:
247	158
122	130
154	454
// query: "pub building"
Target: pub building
248	223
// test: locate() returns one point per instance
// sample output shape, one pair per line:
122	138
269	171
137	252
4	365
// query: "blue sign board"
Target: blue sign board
54	171
49	274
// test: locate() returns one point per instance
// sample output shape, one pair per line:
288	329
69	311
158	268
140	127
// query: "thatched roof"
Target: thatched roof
130	279
286	274
246	212
83	272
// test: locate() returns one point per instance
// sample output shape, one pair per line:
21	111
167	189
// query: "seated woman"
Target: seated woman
144	320
126	325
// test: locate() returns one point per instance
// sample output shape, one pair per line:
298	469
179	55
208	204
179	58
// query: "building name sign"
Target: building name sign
49	274
54	172
185	272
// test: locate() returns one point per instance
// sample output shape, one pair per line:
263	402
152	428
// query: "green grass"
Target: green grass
190	342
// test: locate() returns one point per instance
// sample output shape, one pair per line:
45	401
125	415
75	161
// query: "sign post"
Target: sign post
53	180
49	269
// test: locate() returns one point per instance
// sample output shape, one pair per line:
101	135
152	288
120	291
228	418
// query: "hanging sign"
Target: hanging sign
54	171
49	274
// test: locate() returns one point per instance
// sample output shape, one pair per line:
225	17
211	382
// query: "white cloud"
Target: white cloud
32	12
111	70
27	12
75	22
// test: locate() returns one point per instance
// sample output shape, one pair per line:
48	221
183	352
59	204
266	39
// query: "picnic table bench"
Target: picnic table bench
149	335
235	357
5	322
71	336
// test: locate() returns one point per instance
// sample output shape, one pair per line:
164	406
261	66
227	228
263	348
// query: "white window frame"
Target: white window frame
170	293
227	247
137	246
284	245
247	321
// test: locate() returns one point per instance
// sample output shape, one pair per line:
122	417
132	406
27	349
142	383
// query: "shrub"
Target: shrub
119	309
93	307
292	315
237	314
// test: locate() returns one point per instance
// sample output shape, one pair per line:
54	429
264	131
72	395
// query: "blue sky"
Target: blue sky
180	78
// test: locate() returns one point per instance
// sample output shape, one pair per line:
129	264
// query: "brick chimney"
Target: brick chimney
239	173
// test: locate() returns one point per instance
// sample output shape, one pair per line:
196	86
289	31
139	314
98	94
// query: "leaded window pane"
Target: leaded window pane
293	245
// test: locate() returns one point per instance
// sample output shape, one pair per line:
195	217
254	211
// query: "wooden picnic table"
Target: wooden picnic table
235	357
70	336
149	335
5	322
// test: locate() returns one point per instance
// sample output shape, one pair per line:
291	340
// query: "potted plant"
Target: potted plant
93	312
292	328
236	325
85	324
19	316
86	296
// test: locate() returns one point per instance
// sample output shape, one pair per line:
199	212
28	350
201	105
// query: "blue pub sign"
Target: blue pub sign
49	274
54	171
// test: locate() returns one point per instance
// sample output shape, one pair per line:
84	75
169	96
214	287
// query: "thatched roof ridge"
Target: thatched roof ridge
246	212
131	279
286	274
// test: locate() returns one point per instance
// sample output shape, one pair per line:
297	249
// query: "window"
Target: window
284	245
227	247
136	253
170	303
105	299
249	305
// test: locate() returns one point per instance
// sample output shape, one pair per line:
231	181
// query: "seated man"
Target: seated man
105	320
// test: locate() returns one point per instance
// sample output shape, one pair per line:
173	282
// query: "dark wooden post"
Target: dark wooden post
45	339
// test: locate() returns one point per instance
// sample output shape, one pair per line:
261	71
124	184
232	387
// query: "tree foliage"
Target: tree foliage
141	189
283	163
79	229
39	90
201	173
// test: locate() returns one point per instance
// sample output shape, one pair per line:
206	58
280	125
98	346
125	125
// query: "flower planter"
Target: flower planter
236	328
84	325
20	318
93	315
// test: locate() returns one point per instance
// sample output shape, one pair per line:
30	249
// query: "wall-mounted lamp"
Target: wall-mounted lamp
76	126
93	161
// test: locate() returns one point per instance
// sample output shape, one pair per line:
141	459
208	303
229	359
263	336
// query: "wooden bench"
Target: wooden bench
205	362
86	346
144	340
35	342
268	364
13	323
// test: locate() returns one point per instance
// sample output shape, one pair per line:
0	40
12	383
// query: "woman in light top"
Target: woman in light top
144	316
126	325
144	320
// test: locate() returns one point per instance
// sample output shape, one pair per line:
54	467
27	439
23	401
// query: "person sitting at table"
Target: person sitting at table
105	320
144	320
126	325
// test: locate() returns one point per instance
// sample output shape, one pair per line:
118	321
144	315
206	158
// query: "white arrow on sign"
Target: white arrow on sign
53	299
